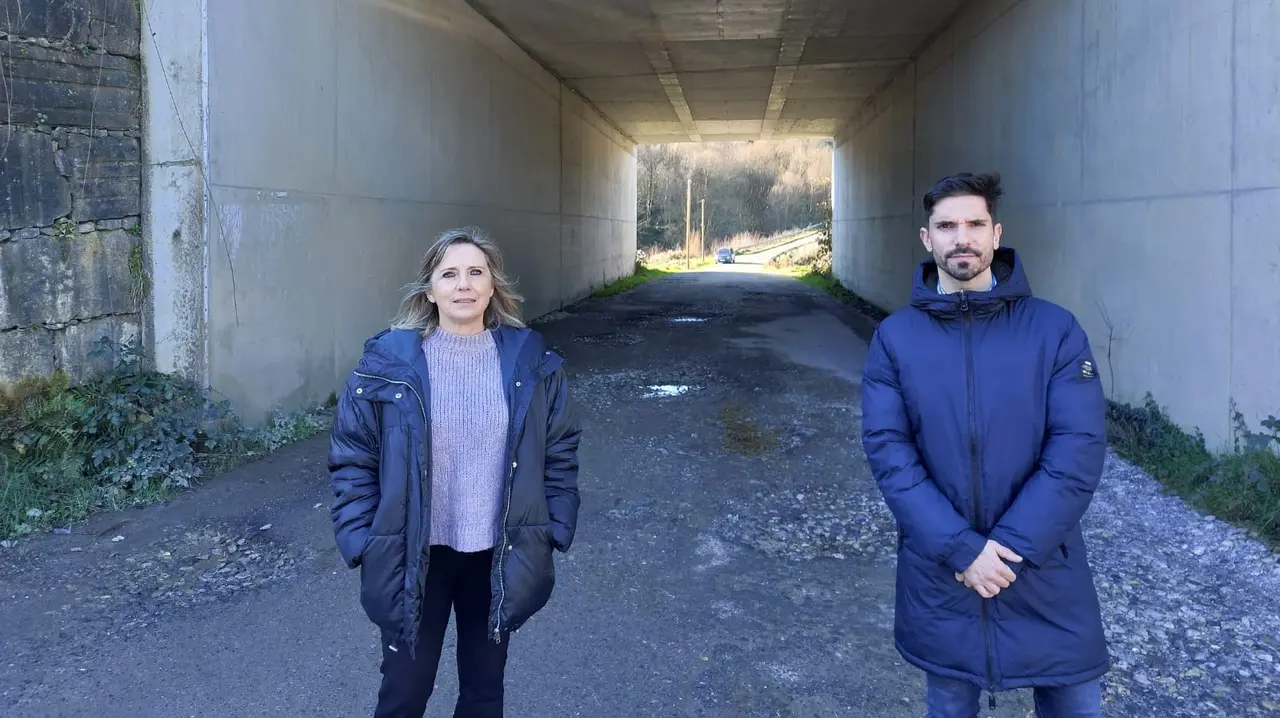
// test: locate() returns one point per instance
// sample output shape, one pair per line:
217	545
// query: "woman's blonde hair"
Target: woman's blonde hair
419	313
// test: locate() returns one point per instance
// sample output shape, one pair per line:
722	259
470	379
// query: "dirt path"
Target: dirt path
734	558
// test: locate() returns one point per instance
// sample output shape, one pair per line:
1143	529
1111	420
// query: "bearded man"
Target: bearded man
984	424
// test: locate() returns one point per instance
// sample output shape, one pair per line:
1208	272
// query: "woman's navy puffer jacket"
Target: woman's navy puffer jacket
379	468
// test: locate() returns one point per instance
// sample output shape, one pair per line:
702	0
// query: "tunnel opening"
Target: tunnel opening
722	203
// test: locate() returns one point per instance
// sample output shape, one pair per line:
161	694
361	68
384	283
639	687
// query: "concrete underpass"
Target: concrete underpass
1137	141
734	559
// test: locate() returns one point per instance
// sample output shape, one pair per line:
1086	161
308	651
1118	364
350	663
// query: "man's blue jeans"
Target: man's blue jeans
949	698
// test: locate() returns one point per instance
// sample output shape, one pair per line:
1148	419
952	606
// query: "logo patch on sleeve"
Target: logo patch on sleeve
1086	369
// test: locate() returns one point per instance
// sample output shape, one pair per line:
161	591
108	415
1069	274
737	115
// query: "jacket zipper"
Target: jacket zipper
506	542
422	407
506	511
977	477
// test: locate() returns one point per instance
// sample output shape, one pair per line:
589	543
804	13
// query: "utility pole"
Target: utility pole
702	233
688	210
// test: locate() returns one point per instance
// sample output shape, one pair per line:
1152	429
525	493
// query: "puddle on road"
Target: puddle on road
609	338
664	390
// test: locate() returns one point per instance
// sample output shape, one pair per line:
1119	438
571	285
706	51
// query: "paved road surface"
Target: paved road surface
734	558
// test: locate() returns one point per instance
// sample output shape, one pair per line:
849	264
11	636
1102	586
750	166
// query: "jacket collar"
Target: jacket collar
522	350
1011	284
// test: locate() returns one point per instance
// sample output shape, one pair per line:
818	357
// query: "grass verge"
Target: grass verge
827	282
1241	486
625	284
647	271
130	437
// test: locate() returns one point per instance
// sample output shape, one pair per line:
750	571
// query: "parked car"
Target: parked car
724	255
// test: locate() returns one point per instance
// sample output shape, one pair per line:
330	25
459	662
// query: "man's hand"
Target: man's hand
988	573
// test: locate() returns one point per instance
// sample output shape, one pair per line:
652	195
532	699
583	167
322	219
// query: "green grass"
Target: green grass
625	284
1241	486
646	272
827	282
131	437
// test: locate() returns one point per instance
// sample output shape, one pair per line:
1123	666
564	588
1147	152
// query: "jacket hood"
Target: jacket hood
1011	284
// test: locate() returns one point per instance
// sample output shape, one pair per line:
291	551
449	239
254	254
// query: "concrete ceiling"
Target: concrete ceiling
717	70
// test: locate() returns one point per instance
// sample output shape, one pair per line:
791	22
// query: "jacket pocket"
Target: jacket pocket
382	569
529	573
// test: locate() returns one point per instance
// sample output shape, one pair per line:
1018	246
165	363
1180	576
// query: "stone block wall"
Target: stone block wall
72	264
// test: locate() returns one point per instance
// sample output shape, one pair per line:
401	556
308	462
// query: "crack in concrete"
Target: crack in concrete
62	326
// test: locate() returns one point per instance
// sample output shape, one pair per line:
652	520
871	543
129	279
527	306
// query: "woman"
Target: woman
454	467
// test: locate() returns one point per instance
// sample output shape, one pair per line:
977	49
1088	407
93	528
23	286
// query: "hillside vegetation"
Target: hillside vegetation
753	190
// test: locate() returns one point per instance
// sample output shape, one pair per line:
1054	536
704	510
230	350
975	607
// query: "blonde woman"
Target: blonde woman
454	468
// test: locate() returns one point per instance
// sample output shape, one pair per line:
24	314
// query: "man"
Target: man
983	421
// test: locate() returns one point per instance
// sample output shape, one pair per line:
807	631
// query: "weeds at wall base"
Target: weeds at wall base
643	273
1241	486
129	437
832	286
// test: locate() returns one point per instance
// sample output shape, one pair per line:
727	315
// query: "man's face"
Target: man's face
961	236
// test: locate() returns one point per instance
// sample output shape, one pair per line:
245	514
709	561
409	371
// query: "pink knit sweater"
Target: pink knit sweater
468	438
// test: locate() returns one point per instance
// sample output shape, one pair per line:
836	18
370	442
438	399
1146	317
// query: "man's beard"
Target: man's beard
962	267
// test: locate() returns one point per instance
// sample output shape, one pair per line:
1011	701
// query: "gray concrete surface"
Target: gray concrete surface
338	138
175	200
734	557
1138	145
722	71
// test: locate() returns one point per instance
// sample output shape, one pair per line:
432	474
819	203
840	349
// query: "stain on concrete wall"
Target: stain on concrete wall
72	268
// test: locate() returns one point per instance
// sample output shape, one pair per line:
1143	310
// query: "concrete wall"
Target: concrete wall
343	136
72	266
1139	147
174	198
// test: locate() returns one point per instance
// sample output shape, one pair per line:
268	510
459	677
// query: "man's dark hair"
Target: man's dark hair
965	184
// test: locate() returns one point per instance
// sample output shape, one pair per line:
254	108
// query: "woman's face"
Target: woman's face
461	288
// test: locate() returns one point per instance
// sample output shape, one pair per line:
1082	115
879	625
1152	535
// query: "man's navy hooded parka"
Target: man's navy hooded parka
983	417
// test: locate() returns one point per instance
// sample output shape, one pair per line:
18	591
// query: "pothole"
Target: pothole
609	339
657	391
673	315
